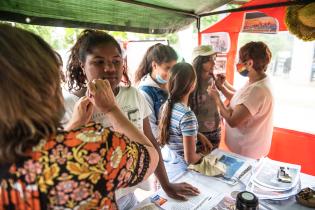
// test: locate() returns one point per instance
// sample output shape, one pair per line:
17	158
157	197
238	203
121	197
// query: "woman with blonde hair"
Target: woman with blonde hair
44	167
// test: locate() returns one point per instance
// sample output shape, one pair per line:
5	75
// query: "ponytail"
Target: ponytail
182	77
165	122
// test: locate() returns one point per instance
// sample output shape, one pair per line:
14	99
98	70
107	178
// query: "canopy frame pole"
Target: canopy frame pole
179	11
256	7
198	24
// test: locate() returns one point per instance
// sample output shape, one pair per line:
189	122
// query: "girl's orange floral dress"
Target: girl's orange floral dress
80	169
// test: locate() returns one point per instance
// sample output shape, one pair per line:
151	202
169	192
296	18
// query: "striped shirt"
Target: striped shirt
183	123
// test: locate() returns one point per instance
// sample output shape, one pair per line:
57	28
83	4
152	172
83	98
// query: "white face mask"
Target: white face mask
160	80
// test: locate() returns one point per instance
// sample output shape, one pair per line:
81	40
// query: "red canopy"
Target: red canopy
233	25
233	22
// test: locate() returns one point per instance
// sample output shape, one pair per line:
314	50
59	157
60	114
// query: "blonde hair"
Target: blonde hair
32	102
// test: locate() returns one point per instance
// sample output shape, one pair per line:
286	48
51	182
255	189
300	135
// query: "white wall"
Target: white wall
302	59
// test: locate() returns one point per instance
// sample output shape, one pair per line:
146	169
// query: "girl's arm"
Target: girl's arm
190	154
174	190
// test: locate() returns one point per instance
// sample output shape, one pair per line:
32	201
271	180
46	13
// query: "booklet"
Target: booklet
206	198
268	175
237	167
265	193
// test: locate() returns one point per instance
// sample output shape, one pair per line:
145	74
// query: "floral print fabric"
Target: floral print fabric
76	170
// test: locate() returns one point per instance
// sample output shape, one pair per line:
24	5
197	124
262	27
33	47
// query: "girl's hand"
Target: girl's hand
101	95
82	113
206	145
181	191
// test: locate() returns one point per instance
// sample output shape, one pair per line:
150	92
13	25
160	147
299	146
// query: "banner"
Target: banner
258	22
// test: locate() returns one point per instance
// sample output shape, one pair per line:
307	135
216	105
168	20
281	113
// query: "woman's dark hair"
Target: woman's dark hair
258	52
32	105
198	66
182	77
159	53
87	41
60	63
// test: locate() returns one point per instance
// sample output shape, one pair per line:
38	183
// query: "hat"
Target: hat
202	50
300	21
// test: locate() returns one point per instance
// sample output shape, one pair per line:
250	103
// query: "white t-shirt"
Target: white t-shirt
133	105
253	137
130	101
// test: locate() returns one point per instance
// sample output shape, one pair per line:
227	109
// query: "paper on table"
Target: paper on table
265	193
194	202
266	175
237	166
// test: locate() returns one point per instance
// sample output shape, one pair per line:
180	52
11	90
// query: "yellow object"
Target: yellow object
149	206
300	21
209	166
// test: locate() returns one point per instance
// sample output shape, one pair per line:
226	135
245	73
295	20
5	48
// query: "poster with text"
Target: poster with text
258	22
220	41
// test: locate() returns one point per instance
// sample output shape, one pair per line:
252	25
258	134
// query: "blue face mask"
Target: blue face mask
160	80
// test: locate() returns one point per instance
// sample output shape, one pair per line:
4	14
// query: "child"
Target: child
201	103
178	125
152	76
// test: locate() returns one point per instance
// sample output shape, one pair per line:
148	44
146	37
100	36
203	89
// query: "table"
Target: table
226	189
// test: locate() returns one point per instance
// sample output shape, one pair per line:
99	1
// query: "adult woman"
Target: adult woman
249	116
97	55
201	103
43	167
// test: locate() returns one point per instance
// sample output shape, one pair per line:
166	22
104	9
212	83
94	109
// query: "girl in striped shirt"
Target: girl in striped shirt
179	125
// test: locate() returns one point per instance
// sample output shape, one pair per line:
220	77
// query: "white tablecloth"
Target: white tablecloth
223	188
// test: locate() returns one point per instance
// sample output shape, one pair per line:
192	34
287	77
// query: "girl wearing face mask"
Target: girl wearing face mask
152	77
248	118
